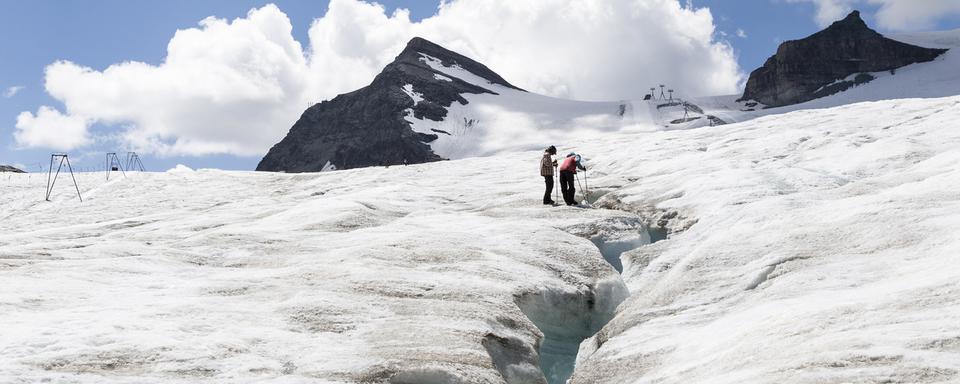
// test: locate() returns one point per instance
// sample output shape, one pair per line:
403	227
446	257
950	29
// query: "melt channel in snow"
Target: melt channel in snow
568	318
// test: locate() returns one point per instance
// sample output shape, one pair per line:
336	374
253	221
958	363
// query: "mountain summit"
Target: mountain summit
367	127
819	65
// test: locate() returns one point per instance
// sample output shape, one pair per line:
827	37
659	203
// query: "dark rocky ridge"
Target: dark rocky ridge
7	168
810	68
366	127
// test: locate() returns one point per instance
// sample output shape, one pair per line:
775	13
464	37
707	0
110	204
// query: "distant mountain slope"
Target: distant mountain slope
366	127
7	168
937	78
830	61
432	104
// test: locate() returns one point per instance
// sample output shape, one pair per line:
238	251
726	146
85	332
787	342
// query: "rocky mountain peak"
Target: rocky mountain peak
368	127
417	47
820	64
853	21
851	27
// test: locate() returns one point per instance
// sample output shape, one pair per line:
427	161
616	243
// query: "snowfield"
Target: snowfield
824	250
809	247
412	274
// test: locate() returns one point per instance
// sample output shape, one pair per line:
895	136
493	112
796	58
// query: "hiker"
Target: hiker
568	169
546	170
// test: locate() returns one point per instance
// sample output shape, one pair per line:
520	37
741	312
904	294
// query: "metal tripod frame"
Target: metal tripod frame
51	182
133	162
112	160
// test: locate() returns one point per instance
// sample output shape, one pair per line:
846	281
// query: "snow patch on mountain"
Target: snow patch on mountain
415	96
456	71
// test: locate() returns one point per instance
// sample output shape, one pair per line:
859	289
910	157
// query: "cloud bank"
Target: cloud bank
235	87
914	15
893	15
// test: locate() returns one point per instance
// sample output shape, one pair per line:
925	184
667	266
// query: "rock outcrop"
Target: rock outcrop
822	64
366	127
7	168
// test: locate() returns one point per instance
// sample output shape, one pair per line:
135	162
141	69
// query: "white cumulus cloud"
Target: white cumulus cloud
914	15
594	50
237	86
51	129
893	15
12	91
226	87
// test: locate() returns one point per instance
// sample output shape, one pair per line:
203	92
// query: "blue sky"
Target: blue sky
96	34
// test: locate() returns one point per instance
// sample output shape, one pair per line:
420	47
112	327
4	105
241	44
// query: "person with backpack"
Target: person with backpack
547	164
568	170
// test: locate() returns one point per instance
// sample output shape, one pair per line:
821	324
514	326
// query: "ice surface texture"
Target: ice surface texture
815	246
395	274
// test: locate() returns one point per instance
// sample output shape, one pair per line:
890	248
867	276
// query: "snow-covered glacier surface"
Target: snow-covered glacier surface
420	274
814	246
825	250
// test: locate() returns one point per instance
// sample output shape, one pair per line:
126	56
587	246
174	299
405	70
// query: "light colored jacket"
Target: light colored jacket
546	165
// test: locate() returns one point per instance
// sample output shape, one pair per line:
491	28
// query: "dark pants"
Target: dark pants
548	180
566	187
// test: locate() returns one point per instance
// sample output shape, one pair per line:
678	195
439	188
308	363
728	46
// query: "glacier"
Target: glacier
808	244
812	246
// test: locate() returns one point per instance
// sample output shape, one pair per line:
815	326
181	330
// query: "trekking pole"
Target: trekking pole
585	184
582	190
